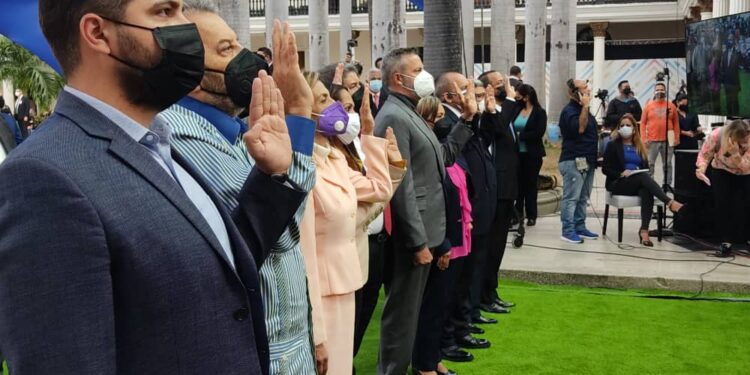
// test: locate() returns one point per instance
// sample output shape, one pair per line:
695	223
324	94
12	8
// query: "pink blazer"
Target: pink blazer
328	229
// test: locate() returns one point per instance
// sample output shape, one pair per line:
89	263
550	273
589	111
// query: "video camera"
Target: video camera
602	94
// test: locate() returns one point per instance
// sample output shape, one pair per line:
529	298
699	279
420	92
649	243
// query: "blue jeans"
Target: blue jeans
576	192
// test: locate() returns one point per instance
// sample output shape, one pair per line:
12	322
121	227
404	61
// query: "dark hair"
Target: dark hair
327	72
485	77
336	93
528	91
59	20
660	84
515	70
2	102
619	85
392	62
359	68
379	59
266	51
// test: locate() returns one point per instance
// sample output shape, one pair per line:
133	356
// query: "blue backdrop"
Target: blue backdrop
20	23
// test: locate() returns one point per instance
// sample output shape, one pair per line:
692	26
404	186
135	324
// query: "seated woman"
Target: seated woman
626	153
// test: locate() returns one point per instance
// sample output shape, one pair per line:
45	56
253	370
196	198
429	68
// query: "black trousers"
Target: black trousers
432	314
496	250
455	323
644	186
730	194
528	174
733	100
366	298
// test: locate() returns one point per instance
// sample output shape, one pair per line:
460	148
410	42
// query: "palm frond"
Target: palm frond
29	73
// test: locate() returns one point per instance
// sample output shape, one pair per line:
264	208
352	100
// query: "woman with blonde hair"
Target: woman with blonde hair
328	229
727	150
431	110
625	164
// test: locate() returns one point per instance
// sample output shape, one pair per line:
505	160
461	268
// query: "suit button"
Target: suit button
241	314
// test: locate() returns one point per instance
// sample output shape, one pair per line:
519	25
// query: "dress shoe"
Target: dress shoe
494	308
531	223
484	320
474	330
450	372
506	304
455	354
471	342
725	251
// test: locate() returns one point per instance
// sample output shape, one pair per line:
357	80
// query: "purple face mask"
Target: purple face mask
333	121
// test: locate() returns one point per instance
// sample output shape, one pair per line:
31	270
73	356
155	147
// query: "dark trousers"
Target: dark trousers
366	298
644	186
476	267
496	251
733	100
730	195
528	174
455	323
432	315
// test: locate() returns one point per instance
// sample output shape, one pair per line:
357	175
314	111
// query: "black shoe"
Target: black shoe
474	330
506	304
725	251
455	354
450	372
471	342
484	320
494	308
531	222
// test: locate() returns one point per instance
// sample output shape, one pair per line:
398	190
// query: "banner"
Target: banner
20	23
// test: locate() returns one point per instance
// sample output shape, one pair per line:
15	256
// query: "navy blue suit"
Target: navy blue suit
106	266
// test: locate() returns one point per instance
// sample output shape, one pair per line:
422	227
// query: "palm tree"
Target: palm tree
237	14
29	73
535	48
560	59
503	35
442	37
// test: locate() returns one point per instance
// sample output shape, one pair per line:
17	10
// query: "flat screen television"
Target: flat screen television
718	66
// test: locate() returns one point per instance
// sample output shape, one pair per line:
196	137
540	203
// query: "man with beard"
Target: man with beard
119	258
624	103
206	130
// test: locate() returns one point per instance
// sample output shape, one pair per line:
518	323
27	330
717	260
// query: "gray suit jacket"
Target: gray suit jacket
418	205
106	266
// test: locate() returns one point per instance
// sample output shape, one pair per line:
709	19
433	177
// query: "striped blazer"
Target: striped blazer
283	284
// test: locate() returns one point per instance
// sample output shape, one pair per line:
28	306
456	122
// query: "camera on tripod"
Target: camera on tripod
663	74
602	94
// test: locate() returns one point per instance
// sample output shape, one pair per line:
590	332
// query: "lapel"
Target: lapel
620	153
326	168
135	156
422	127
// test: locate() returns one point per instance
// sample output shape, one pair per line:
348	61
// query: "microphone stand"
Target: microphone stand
666	187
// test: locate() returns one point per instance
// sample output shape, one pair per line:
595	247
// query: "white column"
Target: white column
345	15
467	21
739	6
573	23
721	8
560	60
319	48
388	26
8	94
535	55
503	35
706	15
600	33
275	9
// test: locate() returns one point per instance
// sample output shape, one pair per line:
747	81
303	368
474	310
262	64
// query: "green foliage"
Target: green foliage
30	74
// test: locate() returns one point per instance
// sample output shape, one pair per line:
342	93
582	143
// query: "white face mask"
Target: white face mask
424	84
626	132
352	130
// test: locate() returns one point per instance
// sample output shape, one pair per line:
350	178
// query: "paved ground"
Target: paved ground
602	263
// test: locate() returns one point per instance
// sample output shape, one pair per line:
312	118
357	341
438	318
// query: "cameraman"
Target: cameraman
622	104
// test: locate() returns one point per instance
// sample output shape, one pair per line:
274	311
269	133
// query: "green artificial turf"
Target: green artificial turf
571	330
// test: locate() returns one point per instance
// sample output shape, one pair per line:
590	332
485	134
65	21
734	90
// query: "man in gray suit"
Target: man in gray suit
117	257
418	206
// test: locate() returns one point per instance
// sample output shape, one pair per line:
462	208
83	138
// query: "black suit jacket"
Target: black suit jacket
614	162
23	110
533	133
7	138
496	127
120	273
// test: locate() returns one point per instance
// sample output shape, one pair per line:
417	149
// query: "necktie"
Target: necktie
376	99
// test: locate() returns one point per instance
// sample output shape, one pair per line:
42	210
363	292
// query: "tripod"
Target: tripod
665	186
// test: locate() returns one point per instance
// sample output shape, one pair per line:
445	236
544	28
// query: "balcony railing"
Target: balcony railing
301	7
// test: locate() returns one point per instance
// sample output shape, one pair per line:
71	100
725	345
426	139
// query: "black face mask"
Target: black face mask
239	76
357	97
627	91
180	69
501	95
684	108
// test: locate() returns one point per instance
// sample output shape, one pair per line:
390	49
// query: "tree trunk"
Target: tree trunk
388	26
275	9
503	35
535	47
573	23
467	29
560	61
318	16
442	37
237	14
345	15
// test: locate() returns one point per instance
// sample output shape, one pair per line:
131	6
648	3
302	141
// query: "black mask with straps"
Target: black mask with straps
239	76
180	69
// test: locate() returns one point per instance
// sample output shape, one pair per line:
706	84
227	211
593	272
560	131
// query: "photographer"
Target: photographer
622	104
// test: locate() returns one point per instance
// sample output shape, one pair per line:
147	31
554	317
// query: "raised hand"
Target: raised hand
469	101
509	90
338	76
490	103
268	141
394	155
287	73
365	113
